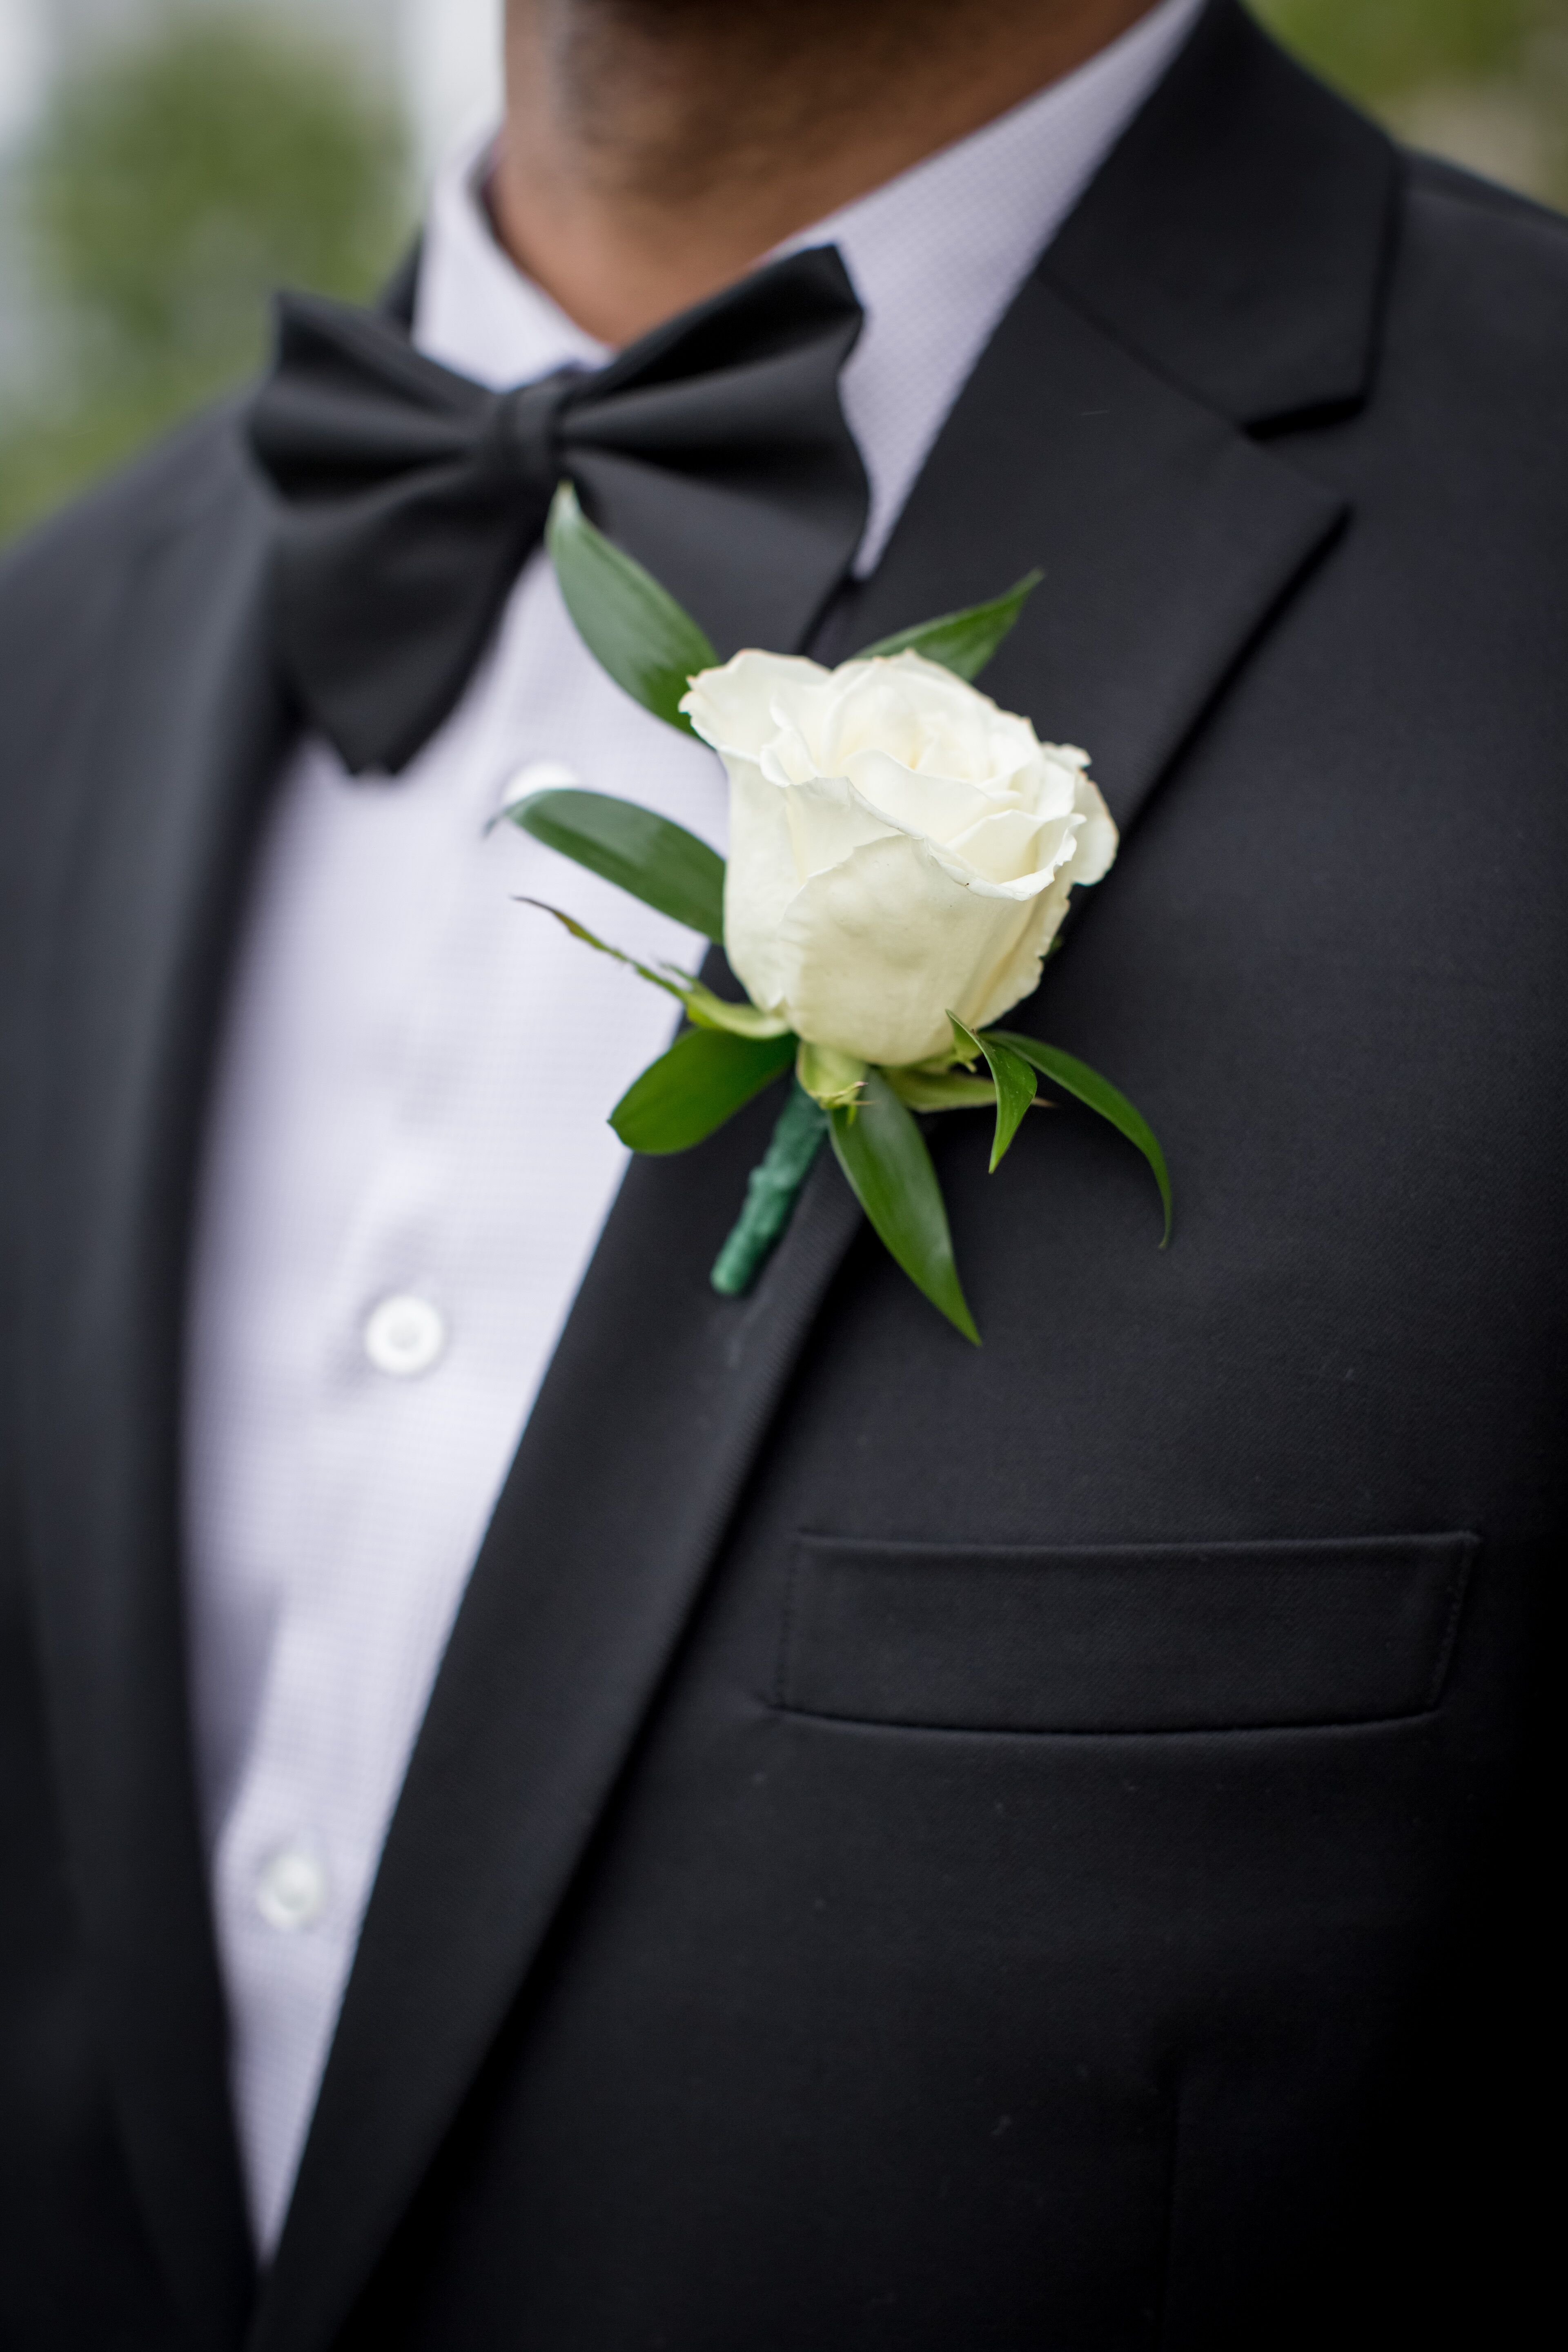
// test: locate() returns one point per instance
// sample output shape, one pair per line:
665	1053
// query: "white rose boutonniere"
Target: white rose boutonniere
903	852
900	849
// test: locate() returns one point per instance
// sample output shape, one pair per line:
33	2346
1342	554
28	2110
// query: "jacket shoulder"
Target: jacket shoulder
66	586
58	569
1434	182
1479	231
1479	298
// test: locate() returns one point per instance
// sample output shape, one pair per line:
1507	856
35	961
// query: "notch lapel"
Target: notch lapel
1170	539
1167	537
1127	428
172	769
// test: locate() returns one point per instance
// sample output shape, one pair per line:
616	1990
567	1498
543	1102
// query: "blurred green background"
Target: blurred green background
166	191
1482	81
172	184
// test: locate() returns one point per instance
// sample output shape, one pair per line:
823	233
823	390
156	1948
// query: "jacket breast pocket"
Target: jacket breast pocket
1120	1638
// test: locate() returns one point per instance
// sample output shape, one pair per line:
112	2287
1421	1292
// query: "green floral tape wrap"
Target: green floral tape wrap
770	1191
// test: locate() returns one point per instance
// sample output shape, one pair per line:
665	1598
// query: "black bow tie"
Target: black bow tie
714	450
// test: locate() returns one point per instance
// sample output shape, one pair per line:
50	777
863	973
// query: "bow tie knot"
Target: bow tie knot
527	431
715	451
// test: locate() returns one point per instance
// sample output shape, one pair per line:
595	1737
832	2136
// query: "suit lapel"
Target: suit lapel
1171	538
1167	539
174	759
1127	428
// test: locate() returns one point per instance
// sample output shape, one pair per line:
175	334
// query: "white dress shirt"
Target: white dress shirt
408	1163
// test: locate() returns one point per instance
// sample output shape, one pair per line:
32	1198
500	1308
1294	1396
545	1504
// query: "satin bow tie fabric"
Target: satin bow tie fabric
715	450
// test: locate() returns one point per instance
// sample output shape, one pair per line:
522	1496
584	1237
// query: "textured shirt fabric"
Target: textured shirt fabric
408	1164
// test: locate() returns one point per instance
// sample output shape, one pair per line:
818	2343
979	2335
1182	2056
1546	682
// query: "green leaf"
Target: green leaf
940	1090
632	626
674	984
1077	1079
701	1007
1016	1085
706	1076
964	642
710	1012
645	855
883	1154
829	1077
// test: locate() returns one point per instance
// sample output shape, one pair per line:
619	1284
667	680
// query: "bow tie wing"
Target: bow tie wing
715	451
409	506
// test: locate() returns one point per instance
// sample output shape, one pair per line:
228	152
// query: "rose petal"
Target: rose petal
828	821
900	847
1017	974
873	952
731	708
1094	850
760	879
935	807
1005	845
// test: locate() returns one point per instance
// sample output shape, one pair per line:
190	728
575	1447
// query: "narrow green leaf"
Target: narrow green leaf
1016	1085
940	1090
632	626
706	1076
964	642
701	1007
676	986
883	1154
710	1012
1068	1072
645	855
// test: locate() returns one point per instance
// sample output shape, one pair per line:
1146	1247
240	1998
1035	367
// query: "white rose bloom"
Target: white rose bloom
899	845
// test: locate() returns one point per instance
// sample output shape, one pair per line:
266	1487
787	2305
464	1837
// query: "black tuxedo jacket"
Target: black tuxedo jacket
910	1847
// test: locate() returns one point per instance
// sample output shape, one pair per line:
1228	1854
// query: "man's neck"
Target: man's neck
654	149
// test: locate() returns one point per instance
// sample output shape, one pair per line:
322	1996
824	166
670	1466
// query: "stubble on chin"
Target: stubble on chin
674	98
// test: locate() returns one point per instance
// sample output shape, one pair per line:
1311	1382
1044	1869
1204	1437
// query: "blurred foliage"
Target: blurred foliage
168	192
1380	49
1482	81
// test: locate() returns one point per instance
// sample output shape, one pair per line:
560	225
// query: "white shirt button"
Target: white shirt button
405	1336
291	1891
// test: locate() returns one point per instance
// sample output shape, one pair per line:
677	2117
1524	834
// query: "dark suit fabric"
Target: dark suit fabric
1034	1850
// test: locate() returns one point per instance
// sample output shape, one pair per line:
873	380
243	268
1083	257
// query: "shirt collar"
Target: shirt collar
936	256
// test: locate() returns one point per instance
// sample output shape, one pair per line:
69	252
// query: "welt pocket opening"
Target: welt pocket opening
1268	1635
